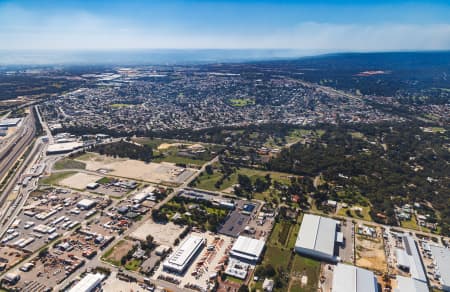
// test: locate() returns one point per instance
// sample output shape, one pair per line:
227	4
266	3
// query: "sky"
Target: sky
331	26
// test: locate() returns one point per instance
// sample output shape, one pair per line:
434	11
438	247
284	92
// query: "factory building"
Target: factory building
247	249
86	204
179	260
61	148
441	258
409	259
348	278
405	284
89	283
317	238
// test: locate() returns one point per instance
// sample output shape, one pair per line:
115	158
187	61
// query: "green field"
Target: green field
133	265
410	224
173	158
365	213
207	182
69	164
302	266
54	178
120	105
238	102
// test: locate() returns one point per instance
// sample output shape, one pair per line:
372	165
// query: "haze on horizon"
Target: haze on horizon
306	26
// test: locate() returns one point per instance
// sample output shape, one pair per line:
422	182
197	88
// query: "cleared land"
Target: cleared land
79	180
370	253
115	254
164	234
56	177
137	170
304	275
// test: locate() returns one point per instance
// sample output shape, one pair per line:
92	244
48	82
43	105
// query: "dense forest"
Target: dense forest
386	163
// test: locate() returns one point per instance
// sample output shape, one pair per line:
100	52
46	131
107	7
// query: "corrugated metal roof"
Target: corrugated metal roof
348	278
248	247
317	233
442	257
405	284
416	266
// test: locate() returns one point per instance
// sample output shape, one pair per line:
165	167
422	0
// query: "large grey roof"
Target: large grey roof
441	256
348	278
416	266
405	284
317	233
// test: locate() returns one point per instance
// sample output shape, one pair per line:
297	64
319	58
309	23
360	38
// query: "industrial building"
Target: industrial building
6	123
405	284
180	259
88	283
317	238
441	258
60	148
409	259
247	249
86	204
348	278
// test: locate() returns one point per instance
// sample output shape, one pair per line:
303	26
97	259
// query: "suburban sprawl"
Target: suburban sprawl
223	177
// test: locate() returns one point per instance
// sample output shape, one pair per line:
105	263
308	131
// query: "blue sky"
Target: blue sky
300	25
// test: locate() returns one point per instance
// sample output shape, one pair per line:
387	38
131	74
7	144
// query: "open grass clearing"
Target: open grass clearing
67	163
54	178
305	274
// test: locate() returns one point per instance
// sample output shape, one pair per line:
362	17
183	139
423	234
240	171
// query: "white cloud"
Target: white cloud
21	29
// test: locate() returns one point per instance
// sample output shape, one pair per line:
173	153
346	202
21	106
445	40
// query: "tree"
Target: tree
243	288
209	170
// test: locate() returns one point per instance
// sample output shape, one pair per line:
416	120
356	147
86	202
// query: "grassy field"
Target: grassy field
173	158
86	156
104	180
120	105
238	102
133	265
207	182
69	164
411	224
364	214
54	178
309	268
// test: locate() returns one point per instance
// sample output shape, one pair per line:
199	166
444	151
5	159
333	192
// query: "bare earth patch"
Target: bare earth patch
79	180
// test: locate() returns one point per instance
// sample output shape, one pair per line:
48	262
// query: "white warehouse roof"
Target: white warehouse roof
317	237
178	261
348	278
441	256
88	283
405	284
416	266
63	147
247	248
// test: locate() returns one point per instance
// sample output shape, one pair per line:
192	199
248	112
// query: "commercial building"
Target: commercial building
61	148
409	259
180	259
247	249
348	278
317	238
6	123
88	283
441	258
237	269
405	284
86	204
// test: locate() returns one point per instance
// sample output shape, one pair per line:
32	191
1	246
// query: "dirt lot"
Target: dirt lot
79	180
370	253
164	234
118	251
138	170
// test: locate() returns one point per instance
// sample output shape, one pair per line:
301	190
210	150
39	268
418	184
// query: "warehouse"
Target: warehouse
247	249
405	284
409	259
348	278
6	123
88	283
60	148
86	204
441	257
317	238
180	259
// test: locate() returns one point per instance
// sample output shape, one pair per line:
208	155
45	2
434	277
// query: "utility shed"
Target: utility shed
348	278
317	238
248	249
441	257
405	284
